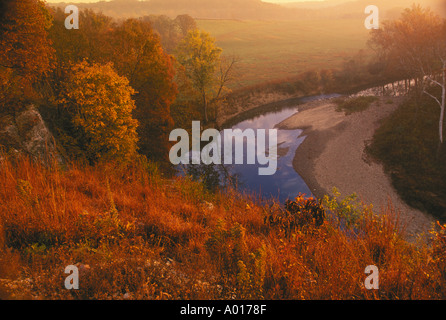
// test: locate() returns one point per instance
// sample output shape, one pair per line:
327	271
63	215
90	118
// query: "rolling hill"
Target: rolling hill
252	9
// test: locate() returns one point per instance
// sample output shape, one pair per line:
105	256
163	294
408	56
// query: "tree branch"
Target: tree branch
433	81
433	97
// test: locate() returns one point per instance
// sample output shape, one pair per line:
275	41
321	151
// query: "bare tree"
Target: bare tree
417	42
225	75
429	78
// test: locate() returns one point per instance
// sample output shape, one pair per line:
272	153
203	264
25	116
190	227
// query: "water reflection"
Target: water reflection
285	183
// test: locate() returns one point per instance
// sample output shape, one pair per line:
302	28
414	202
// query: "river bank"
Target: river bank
333	155
247	103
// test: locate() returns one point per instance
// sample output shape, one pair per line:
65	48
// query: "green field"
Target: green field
270	50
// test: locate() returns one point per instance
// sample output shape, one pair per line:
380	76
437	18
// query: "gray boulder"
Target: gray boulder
27	133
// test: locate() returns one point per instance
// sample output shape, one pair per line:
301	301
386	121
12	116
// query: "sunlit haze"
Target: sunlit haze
91	1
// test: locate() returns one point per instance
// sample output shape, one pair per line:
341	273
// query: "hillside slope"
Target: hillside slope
136	235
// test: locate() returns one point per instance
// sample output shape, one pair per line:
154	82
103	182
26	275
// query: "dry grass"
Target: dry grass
135	235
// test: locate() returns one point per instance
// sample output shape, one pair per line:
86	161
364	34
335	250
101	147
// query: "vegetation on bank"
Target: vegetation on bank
407	144
135	235
356	104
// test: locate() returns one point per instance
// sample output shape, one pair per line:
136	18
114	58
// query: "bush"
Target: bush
349	211
299	214
356	104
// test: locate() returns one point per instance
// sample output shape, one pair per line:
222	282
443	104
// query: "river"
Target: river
286	182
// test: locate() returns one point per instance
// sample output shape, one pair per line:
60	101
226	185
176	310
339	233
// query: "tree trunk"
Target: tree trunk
443	98
440	125
205	108
442	111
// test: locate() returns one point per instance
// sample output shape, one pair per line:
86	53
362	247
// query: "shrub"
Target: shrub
349	211
251	276
227	246
439	249
356	104
298	214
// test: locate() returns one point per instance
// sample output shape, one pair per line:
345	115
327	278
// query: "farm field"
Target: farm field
270	50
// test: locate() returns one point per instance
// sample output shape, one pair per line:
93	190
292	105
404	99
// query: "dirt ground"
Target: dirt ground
333	155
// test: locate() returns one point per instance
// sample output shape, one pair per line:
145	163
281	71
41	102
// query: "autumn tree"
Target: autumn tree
100	105
25	50
138	55
75	45
171	31
185	108
417	43
201	61
327	80
185	23
167	29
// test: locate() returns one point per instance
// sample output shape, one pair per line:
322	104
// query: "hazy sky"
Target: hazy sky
274	1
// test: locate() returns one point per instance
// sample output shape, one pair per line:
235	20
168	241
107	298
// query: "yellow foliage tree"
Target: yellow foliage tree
203	66
100	104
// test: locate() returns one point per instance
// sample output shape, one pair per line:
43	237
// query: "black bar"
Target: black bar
201	309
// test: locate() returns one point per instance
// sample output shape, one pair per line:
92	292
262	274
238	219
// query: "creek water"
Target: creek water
285	183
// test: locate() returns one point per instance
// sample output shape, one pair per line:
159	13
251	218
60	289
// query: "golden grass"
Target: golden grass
135	235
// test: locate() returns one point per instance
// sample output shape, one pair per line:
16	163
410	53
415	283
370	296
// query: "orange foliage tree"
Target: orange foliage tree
137	54
25	50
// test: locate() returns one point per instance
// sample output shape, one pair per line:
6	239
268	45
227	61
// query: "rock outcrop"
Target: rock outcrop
27	133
